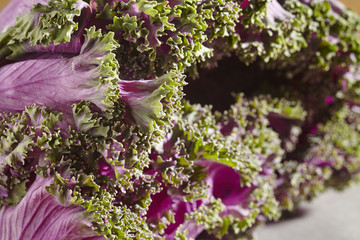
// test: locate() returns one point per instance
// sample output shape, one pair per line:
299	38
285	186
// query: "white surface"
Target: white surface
330	216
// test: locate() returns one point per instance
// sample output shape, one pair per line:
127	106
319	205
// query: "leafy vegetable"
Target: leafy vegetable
152	119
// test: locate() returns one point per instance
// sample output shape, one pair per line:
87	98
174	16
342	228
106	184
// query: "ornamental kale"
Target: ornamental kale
159	119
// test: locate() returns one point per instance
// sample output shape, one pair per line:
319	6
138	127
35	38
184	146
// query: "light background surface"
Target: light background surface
354	4
3	3
330	216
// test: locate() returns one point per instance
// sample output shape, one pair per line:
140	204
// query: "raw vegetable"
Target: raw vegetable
155	119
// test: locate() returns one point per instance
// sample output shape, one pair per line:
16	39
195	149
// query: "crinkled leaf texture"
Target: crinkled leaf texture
39	215
14	9
58	80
